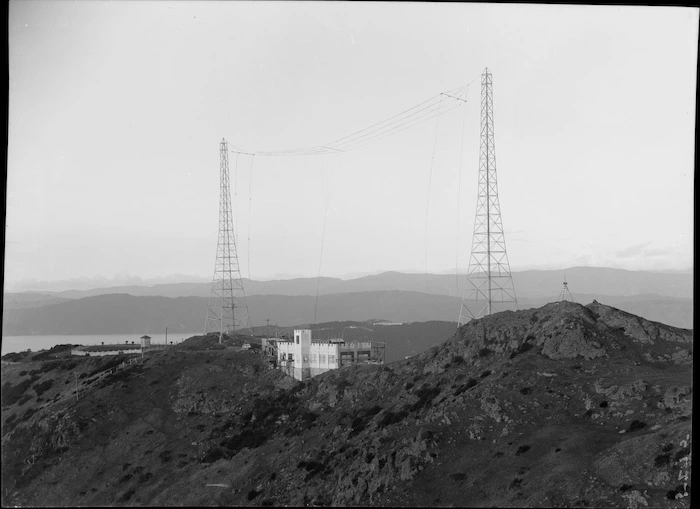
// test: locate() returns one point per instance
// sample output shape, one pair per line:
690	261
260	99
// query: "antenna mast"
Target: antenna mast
565	292
489	281
228	309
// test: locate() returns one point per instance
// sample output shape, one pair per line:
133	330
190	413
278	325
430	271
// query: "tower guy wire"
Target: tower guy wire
489	281
227	310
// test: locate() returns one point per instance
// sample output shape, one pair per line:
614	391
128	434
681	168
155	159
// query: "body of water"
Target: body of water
36	343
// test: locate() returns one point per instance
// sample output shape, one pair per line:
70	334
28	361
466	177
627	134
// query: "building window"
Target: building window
306	358
313	358
296	338
290	357
331	359
323	359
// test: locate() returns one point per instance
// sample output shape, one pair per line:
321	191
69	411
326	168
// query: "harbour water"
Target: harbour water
36	343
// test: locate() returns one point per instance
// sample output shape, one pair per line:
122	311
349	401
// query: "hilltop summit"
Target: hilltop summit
563	405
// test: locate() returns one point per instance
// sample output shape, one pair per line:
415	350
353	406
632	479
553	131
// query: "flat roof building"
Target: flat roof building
303	358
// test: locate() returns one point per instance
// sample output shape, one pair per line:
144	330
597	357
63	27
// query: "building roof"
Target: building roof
145	337
109	348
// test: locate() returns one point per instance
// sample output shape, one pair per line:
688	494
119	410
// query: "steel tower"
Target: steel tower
228	310
489	281
565	294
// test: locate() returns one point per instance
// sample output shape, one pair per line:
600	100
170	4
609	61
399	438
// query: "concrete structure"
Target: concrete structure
102	350
127	348
304	358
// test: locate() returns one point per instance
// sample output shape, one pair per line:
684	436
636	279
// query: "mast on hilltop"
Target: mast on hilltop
228	310
489	281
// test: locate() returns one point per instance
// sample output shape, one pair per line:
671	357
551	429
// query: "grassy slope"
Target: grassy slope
481	420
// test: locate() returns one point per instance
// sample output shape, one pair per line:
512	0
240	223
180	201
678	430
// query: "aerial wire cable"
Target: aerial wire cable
427	202
459	196
323	236
423	111
250	206
235	199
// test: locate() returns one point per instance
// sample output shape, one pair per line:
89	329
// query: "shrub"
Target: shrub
682	453
42	387
248	438
470	383
671	494
124	478
603	404
525	390
661	460
485	373
636	425
213	454
12	393
10	419
126	496
390	418
485	352
457	359
425	394
253	493
522	449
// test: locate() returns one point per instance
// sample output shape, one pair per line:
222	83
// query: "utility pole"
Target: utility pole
489	281
228	309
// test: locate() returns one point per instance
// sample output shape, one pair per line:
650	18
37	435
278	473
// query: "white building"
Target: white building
117	349
304	358
102	350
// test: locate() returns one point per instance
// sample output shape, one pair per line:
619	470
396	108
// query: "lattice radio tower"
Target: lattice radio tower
565	294
228	310
489	281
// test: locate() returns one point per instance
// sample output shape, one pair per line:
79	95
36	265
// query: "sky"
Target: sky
117	109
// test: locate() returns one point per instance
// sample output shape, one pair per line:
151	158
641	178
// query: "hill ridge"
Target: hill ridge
562	405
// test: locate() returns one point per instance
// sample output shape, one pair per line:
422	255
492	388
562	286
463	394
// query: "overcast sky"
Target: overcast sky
116	111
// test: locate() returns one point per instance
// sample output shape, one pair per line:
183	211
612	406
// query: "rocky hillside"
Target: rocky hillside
565	405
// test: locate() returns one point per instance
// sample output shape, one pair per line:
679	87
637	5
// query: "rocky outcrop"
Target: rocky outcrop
570	344
636	328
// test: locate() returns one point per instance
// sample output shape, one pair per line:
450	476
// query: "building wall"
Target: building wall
313	358
102	353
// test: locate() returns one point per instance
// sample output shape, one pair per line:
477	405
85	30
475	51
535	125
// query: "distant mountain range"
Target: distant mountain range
529	284
394	296
127	314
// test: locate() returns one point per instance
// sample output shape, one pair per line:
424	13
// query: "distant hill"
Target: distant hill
127	314
560	406
30	300
528	284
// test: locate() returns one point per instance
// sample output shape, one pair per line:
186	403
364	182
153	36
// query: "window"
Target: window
296	338
313	358
306	358
323	359
331	359
290	357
